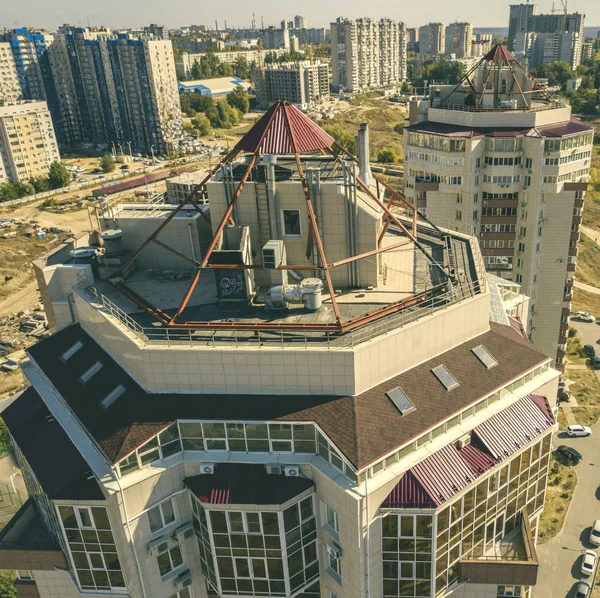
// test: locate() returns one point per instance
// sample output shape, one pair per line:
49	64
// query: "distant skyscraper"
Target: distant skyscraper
519	21
275	39
367	53
459	37
300	22
432	39
10	86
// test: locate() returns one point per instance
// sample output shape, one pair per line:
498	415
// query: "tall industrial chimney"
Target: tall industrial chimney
362	148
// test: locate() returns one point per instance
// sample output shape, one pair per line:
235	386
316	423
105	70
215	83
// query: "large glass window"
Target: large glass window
248	557
407	555
161	516
92	547
169	560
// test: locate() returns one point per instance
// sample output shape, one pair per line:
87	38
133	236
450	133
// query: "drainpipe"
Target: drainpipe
348	223
270	162
362	146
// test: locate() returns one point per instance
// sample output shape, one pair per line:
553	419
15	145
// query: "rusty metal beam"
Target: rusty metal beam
383	231
141	302
256	326
175	252
252	267
369	253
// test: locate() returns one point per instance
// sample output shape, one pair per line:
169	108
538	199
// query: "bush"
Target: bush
58	176
5	443
387	156
7	584
107	163
399	128
201	124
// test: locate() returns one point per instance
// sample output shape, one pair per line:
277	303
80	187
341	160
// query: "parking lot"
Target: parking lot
589	334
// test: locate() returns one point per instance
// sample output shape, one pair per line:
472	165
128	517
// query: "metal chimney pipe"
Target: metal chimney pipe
363	154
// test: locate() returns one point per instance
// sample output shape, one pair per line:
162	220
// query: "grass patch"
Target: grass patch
10	382
591	212
586	391
585	301
588	261
559	492
575	353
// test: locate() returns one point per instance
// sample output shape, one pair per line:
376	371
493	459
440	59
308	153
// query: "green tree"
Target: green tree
8	191
4	440
58	176
107	163
445	71
387	156
557	73
201	124
196	72
7	584
345	139
238	98
40	184
406	87
241	68
24	189
224	115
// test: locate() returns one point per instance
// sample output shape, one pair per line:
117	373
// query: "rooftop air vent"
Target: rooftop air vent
111	397
484	356
91	371
442	373
71	351
400	400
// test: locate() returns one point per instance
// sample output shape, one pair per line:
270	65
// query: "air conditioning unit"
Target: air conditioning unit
292	471
334	550
183	532
183	580
273	468
207	468
463	441
273	254
158	546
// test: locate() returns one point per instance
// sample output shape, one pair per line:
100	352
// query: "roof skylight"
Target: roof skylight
71	351
442	373
111	397
85	377
400	400
485	356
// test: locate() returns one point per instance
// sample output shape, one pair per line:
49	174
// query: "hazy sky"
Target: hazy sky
174	13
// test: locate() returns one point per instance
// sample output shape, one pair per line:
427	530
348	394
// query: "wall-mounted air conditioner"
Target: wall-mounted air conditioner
292	471
183	532
183	580
463	441
158	546
273	468
207	468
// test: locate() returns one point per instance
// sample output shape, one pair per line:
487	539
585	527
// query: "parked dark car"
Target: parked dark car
570	455
589	350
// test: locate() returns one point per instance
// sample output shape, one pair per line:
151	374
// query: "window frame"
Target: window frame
283	230
159	506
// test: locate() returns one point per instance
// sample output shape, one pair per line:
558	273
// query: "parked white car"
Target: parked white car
583	315
595	533
577	430
588	564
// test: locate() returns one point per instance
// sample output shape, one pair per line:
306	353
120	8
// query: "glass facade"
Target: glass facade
92	547
466	528
435	142
298	439
259	553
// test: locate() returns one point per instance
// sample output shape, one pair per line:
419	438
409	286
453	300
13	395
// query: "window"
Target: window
445	377
291	223
400	400
330	594
332	519
484	356
161	515
24	575
458	215
508	591
169	560
334	556
91	371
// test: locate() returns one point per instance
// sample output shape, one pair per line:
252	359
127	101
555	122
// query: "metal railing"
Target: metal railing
538	105
235	338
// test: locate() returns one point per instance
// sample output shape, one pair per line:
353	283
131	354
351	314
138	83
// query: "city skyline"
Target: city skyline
42	15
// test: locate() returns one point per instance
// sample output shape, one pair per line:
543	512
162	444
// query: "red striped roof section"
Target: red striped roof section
284	129
512	428
448	471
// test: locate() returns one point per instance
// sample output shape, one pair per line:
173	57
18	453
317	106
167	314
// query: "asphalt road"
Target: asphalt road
560	558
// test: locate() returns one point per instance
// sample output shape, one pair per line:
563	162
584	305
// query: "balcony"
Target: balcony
512	561
571	267
26	544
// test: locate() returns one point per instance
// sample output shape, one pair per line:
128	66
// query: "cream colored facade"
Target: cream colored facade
10	87
27	141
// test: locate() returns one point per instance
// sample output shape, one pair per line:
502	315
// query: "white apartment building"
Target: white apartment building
27	141
458	40
432	38
510	164
378	432
10	87
367	53
301	83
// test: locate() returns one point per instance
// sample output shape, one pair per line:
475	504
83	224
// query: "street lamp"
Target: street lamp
120	148
130	154
114	151
152	152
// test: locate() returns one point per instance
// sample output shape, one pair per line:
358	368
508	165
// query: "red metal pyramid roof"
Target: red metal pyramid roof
499	52
284	130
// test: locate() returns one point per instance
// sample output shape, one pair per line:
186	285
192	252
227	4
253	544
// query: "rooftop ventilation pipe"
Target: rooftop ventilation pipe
362	147
270	162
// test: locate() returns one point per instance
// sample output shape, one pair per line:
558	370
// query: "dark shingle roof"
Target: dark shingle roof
245	484
364	427
58	466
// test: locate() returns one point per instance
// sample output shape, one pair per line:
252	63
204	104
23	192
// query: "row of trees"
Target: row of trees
207	113
58	177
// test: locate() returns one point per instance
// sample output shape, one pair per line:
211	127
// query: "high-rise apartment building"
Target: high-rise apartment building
538	39
27	141
379	431
300	22
459	37
432	38
300	83
10	86
367	53
116	90
276	39
509	163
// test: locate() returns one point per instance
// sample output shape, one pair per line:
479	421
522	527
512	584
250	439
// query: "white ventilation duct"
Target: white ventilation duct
362	148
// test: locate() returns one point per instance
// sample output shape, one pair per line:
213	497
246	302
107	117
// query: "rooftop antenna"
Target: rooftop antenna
262	22
225	25
216	25
253	22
